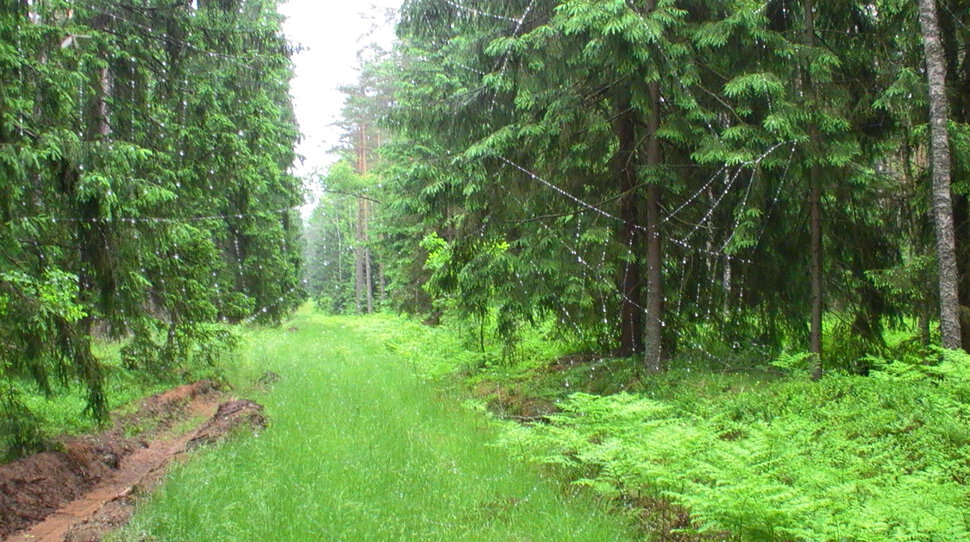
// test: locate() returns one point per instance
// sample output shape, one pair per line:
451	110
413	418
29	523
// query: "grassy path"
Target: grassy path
361	449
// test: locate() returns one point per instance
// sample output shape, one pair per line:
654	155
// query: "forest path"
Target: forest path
360	448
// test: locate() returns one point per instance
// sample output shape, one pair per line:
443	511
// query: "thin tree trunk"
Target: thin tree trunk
359	256
653	353
942	198
815	268
631	304
961	245
339	262
369	279
815	213
923	322
960	111
101	112
381	284
37	190
923	309
97	272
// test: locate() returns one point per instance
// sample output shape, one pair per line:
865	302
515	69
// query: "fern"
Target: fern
847	459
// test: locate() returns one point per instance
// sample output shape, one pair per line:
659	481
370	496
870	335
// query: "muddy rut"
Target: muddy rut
89	489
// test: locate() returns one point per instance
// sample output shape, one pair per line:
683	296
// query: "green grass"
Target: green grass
362	447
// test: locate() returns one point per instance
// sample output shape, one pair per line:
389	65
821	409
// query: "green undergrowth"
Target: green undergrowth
63	412
362	446
844	459
760	455
741	449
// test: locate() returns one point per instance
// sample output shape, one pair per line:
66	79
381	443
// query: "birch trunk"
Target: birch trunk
940	160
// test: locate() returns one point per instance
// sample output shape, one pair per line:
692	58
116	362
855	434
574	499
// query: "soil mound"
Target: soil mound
33	487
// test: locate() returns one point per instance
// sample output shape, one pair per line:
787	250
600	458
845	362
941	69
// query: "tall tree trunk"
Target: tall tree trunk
814	211
96	269
369	281
101	107
338	288
381	285
653	353
815	268
961	244
940	160
961	113
916	232
359	257
368	275
360	253
631	304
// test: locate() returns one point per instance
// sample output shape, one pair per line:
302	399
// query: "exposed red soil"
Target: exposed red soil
88	489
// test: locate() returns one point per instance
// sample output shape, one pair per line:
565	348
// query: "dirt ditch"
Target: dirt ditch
89	488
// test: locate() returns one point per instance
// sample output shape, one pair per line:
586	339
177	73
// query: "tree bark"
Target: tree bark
360	254
101	107
924	309
961	245
631	304
940	160
815	213
653	354
960	112
815	268
368	275
338	288
381	285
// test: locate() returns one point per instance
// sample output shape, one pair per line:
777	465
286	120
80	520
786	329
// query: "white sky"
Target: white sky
331	32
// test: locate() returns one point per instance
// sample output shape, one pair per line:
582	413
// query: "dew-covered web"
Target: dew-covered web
726	183
481	13
600	274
